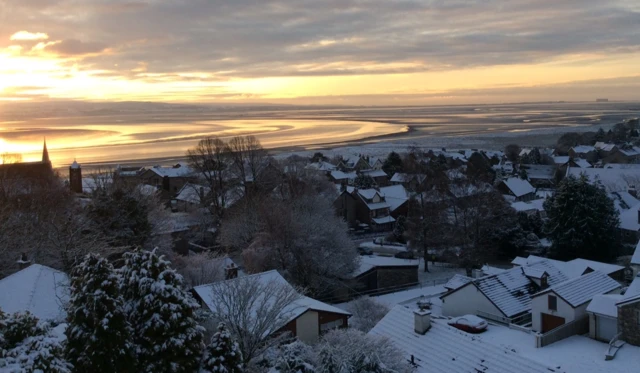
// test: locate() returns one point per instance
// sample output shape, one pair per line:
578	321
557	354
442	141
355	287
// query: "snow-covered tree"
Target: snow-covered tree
252	310
28	346
302	237
161	313
223	354
294	357
98	334
352	351
582	221
366	313
199	269
392	164
363	181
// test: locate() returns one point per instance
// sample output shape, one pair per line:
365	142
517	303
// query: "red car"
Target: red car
469	323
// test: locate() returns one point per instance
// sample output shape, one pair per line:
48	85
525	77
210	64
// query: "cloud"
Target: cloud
26	35
72	47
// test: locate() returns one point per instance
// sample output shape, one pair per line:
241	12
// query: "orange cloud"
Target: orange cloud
26	35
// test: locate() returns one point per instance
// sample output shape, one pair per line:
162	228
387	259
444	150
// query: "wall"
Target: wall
467	300
540	304
629	323
397	276
345	206
307	327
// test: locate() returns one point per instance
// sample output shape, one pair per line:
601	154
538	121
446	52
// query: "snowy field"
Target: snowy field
577	354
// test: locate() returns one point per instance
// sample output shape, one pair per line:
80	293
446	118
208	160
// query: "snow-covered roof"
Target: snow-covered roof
41	290
630	152
457	281
384	220
532	272
395	195
372	261
369	193
350	161
489	270
510	291
573	268
444	349
628	201
321	166
400	177
518	186
191	193
179	170
536	204
605	304
339	175
601	145
582	149
580	290
582	163
540	171
612	179
635	258
622	166
562	159
74	165
629	219
632	294
293	311
375	173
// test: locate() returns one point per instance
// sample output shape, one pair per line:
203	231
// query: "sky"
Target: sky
360	52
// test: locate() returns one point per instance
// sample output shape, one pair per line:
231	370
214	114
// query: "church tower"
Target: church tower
75	177
45	153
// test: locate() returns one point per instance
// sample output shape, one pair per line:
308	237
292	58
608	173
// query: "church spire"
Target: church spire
45	152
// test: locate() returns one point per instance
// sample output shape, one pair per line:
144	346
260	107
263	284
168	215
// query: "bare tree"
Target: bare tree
254	310
212	160
200	269
247	158
7	158
366	313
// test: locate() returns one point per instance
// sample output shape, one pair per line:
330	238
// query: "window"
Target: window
553	303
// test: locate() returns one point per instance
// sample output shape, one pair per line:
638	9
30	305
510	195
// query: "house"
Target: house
585	152
612	179
503	297
306	318
518	189
373	209
576	267
535	206
190	195
379	177
604	149
603	316
629	314
377	273
353	163
29	172
345	206
634	264
344	178
376	163
540	176
567	301
411	182
432	346
457	281
624	154
169	179
630	225
38	289
398	199
322	166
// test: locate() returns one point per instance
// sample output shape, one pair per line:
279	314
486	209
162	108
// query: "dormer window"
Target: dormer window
543	282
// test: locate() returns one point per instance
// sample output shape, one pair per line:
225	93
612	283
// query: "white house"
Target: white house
432	346
603	316
502	297
306	318
568	301
517	189
576	267
41	290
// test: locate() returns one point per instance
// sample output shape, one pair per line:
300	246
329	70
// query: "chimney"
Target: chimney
23	262
231	271
477	273
421	321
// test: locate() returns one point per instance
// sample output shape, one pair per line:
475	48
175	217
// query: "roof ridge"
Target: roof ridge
35	283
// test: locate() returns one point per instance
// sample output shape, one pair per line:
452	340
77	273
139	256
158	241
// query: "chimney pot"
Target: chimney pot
421	321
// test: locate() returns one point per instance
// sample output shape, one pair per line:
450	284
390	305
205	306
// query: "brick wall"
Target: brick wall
629	324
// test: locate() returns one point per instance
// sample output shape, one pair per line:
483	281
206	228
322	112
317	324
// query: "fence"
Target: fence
496	318
391	289
579	326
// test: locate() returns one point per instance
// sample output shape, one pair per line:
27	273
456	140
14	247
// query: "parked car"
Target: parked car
365	251
469	323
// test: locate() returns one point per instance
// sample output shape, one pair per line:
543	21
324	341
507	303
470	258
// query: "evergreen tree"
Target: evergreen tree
399	228
392	164
27	345
161	313
98	333
222	354
363	181
582	221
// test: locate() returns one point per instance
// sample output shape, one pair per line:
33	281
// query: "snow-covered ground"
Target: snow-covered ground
383	249
576	354
438	274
